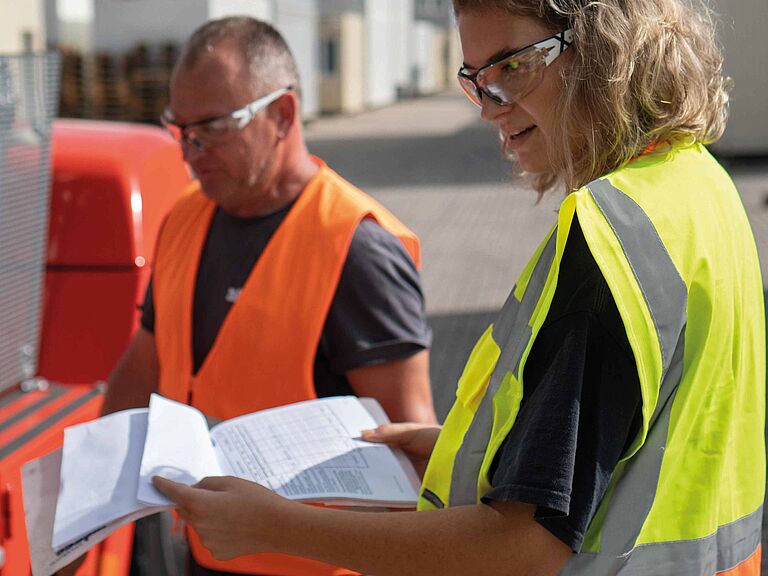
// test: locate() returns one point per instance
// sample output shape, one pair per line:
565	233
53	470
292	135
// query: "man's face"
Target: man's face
238	169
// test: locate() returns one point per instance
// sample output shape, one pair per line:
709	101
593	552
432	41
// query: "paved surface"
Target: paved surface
438	168
440	171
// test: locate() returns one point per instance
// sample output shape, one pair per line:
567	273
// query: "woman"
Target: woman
610	420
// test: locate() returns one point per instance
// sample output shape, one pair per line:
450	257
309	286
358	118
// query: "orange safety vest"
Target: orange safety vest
264	353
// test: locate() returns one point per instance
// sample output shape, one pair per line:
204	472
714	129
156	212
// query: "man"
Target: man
275	280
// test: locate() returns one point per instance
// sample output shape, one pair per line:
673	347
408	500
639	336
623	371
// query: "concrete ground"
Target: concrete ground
436	166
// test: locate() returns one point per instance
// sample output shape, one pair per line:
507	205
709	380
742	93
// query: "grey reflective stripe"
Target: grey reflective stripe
731	545
511	332
666	297
664	290
517	333
635	491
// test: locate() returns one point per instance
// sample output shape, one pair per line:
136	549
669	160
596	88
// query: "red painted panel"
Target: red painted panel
88	320
112	185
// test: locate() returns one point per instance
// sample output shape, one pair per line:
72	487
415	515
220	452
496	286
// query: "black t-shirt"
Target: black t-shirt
581	405
377	314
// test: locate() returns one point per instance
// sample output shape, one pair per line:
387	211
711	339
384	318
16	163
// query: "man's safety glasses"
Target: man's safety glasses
216	129
512	76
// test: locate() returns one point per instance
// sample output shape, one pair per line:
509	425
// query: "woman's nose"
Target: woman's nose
490	110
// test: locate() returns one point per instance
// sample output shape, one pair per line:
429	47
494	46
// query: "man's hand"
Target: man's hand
71	569
416	440
231	516
400	386
135	377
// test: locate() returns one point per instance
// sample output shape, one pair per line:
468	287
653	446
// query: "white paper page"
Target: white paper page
312	451
40	480
178	447
380	417
99	474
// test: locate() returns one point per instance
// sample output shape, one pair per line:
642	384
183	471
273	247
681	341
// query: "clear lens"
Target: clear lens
210	132
172	128
470	89
214	130
513	78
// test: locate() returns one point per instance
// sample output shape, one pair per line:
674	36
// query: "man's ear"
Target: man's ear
286	113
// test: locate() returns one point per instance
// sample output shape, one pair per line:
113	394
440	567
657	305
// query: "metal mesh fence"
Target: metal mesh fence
28	98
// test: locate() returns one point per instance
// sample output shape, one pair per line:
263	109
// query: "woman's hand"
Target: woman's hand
416	440
232	516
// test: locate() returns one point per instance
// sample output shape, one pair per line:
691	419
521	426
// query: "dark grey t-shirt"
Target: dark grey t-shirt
581	405
377	314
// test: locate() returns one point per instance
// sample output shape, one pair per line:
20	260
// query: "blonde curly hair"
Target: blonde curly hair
643	72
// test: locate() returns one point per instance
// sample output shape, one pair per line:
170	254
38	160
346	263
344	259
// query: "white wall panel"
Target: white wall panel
402	47
261	9
423	35
380	86
743	33
298	22
119	25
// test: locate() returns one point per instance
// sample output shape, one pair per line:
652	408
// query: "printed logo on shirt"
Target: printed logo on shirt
232	294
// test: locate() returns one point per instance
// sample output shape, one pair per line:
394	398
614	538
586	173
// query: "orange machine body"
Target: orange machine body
111	187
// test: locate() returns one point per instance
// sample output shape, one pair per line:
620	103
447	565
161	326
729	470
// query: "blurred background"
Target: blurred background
353	55
382	108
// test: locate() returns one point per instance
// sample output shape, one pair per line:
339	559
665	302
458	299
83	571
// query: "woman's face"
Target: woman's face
526	127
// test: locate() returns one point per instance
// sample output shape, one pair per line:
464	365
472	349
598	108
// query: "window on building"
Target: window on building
329	56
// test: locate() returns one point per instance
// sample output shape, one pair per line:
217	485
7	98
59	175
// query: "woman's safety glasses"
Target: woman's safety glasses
214	130
512	76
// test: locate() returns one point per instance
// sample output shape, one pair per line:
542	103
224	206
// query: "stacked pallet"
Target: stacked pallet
128	87
72	100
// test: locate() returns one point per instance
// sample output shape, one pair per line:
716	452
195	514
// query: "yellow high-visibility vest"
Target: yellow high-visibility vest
670	235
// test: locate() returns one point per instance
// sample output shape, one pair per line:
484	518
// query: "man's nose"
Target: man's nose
191	148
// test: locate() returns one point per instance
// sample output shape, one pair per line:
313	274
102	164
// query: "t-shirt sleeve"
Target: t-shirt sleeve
581	404
377	314
148	310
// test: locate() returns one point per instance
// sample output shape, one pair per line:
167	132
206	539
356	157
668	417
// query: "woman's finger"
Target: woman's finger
216	483
179	493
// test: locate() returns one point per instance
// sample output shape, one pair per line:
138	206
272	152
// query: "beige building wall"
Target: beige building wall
343	89
429	57
352	62
330	83
439	60
21	22
455	56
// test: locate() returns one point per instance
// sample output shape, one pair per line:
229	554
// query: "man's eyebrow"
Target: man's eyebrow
493	58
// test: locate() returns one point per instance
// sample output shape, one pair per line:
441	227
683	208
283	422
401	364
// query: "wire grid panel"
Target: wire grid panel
28	99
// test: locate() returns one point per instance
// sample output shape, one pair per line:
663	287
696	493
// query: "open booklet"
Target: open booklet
101	479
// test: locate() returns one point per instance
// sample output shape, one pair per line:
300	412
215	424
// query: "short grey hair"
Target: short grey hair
263	48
